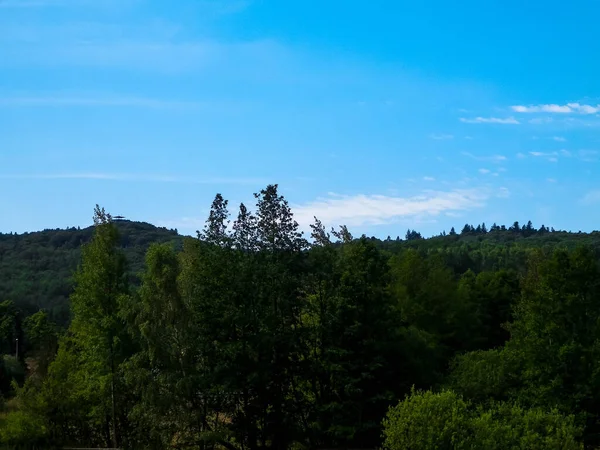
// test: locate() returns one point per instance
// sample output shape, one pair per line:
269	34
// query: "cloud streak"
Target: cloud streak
131	177
549	156
493	158
359	210
497	120
569	108
591	198
156	46
108	101
24	4
219	7
441	137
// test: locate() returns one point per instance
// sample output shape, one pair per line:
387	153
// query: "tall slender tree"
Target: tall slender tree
100	287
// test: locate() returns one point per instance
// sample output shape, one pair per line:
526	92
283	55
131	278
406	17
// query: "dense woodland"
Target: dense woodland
253	336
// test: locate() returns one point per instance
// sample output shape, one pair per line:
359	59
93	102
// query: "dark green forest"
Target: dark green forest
253	336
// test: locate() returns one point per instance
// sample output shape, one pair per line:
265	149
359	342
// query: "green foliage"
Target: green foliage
11	370
484	376
509	426
9	327
42	338
37	268
22	429
249	337
428	421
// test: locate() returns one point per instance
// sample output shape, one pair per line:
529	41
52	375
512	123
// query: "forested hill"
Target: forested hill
36	268
254	338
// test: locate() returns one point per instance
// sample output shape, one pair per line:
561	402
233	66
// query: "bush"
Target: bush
428	421
425	420
21	429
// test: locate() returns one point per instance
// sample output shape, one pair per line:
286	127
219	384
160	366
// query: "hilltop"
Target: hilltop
36	268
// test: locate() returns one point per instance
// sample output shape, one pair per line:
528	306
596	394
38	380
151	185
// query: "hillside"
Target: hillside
36	268
290	345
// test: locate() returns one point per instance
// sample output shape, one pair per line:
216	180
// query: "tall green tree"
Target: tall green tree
557	333
101	287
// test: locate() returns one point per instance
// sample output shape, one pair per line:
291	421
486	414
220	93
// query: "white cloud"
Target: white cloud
521	155
551	180
566	153
590	198
503	192
428	178
505	121
543	154
441	137
132	177
541	120
40	3
484	171
550	156
220	7
559	138
588	155
108	101
156	46
469	138
558	109
494	158
361	210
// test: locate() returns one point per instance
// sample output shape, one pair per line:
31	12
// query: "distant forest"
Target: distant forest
253	336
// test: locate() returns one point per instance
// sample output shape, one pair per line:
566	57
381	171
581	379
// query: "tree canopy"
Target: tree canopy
252	335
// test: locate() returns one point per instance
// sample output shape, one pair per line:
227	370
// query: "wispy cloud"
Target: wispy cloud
38	3
157	46
549	156
484	171
558	109
132	177
19	4
108	101
441	137
503	192
428	179
540	120
498	120
543	154
592	197
551	180
559	139
220	7
493	158
588	155
362	210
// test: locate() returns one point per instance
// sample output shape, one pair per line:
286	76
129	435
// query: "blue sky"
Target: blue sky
382	115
